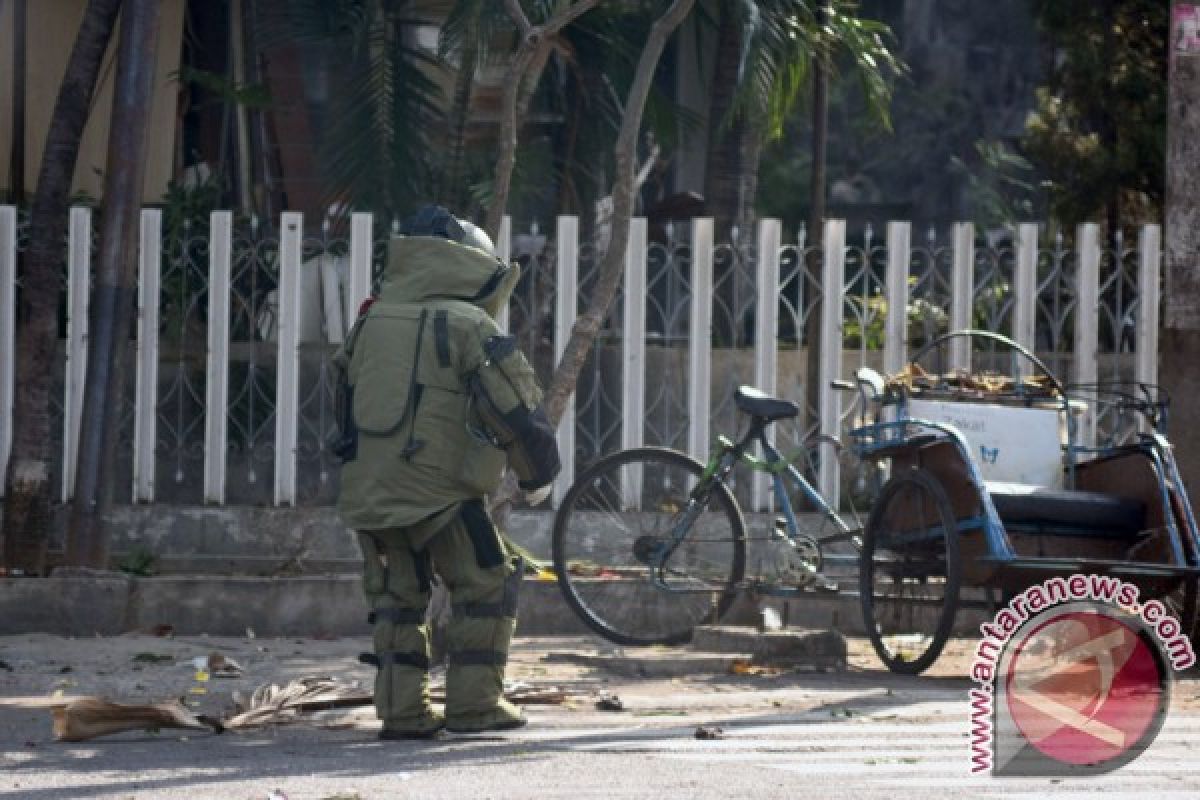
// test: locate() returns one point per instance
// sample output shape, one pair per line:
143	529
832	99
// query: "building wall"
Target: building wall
51	30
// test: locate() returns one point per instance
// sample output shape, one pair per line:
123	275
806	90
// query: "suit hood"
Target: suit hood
425	269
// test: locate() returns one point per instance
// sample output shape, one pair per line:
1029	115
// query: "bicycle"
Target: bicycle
648	542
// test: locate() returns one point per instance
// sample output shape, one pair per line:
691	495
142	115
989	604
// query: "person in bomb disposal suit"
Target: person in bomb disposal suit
434	401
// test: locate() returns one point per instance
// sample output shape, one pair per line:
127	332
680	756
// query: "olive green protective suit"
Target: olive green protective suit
425	452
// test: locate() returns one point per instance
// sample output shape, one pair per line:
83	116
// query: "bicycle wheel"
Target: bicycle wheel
612	529
909	574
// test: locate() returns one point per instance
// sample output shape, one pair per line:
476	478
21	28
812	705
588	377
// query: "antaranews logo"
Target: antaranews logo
1073	678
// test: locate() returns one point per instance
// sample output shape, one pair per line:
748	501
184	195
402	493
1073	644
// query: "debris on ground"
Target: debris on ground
769	619
216	665
221	666
710	732
519	692
297	701
744	666
84	718
609	702
323	702
153	658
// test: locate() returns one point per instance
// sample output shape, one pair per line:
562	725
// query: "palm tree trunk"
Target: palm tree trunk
723	191
27	493
816	225
453	192
113	290
16	165
730	175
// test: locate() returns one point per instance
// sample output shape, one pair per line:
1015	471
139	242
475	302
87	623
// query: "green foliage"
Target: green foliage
375	150
1099	131
924	320
225	90
999	186
784	37
138	561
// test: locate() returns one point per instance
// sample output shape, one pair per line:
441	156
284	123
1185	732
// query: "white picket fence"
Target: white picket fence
1028	288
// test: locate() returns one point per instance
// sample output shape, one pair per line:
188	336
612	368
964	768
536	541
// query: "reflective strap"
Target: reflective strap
477	658
441	337
397	616
395	658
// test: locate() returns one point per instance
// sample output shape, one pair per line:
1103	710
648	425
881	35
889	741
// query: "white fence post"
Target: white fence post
766	333
504	253
336	324
361	246
216	419
962	292
633	361
895	338
833	280
700	339
1025	286
1087	319
566	309
8	331
145	406
1149	264
79	272
287	366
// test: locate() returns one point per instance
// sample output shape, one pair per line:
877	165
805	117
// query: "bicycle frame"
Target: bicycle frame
726	456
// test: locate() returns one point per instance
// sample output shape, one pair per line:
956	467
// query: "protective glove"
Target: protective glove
536	497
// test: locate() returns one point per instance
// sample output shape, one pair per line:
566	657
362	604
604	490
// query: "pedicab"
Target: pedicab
1001	476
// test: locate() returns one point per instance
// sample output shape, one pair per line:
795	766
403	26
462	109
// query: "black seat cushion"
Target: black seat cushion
762	405
1021	503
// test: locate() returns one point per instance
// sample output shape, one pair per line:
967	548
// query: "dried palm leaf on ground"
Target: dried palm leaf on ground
275	705
86	718
517	692
320	701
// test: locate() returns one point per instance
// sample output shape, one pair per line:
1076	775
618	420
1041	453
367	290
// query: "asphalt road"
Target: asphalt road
859	733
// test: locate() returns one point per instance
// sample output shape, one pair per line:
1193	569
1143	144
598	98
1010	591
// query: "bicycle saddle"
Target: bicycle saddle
762	405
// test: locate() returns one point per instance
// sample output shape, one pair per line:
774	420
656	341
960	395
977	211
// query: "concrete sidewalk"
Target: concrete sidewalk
83	602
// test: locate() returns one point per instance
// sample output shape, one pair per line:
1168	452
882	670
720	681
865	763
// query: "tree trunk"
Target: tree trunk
816	226
725	197
587	325
27	493
114	286
16	164
1180	367
730	174
453	192
583	333
531	42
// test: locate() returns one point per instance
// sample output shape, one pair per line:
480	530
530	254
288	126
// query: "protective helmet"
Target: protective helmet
433	220
475	236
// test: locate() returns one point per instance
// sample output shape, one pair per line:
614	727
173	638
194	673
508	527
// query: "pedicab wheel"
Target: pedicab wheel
614	527
909	573
1181	603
